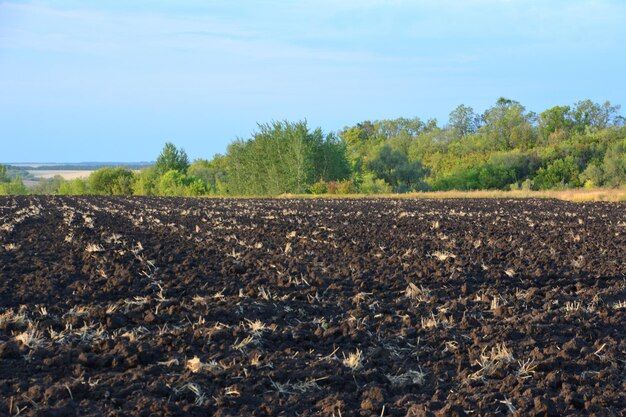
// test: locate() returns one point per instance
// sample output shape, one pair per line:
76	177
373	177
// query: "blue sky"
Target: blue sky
113	80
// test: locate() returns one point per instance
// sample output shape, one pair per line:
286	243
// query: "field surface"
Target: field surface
155	306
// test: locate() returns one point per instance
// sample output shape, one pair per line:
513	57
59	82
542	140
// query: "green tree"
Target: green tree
507	125
13	187
3	173
394	167
212	173
111	181
592	176
76	186
614	164
555	119
463	121
373	185
283	157
146	182
359	140
330	161
171	158
594	116
559	173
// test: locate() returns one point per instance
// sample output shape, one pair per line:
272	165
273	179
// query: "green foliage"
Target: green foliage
13	187
373	185
507	147
111	181
556	119
330	161
212	173
146	182
594	116
393	167
463	121
283	157
592	176
174	183
320	187
507	125
49	186
527	185
341	187
171	158
3	173
560	173
76	186
614	164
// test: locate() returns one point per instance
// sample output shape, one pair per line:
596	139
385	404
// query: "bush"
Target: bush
614	164
559	173
111	181
371	185
14	187
174	183
346	187
146	182
527	184
48	186
592	176
319	187
76	186
171	184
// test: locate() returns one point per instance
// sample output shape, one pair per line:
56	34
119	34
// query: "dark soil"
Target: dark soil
155	306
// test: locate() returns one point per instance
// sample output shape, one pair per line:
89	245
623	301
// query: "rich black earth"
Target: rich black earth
155	306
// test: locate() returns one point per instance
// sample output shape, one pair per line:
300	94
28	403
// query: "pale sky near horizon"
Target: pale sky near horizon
86	80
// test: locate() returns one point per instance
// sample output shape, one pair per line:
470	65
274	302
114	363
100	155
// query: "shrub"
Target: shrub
319	187
14	187
592	176
76	186
346	187
111	181
171	184
614	164
371	185
527	184
146	182
174	183
561	172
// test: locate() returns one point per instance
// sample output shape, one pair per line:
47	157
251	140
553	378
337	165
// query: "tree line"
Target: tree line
506	147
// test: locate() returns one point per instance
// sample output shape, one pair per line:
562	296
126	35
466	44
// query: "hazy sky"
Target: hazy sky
113	80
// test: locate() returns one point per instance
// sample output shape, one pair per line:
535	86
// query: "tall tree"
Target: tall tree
508	125
172	158
284	157
594	116
555	119
463	121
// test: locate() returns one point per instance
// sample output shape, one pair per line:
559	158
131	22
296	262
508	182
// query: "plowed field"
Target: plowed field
155	306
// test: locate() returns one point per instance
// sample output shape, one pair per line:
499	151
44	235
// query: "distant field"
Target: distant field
66	174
